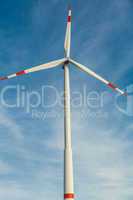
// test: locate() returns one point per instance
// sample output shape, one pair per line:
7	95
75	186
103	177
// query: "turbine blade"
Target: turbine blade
67	43
92	73
36	68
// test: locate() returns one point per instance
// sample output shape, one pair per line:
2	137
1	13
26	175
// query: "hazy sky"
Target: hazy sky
31	148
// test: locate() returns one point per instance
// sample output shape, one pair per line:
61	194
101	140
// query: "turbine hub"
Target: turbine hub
67	62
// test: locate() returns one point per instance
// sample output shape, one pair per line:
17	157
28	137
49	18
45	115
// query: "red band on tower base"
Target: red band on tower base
68	196
20	73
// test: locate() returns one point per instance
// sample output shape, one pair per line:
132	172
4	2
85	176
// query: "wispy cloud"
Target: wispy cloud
6	121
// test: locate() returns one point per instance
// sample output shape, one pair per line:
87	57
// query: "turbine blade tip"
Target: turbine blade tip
3	78
69	18
125	94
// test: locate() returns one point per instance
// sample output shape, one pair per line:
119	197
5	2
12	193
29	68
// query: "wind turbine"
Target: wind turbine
68	161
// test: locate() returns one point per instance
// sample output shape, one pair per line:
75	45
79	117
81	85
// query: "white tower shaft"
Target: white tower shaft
68	162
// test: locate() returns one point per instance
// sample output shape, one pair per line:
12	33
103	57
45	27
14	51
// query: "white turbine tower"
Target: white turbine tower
68	163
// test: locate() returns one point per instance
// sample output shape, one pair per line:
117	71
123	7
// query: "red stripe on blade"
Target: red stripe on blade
69	19
112	86
3	78
20	73
68	196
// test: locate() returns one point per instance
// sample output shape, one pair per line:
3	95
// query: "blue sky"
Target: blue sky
31	148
